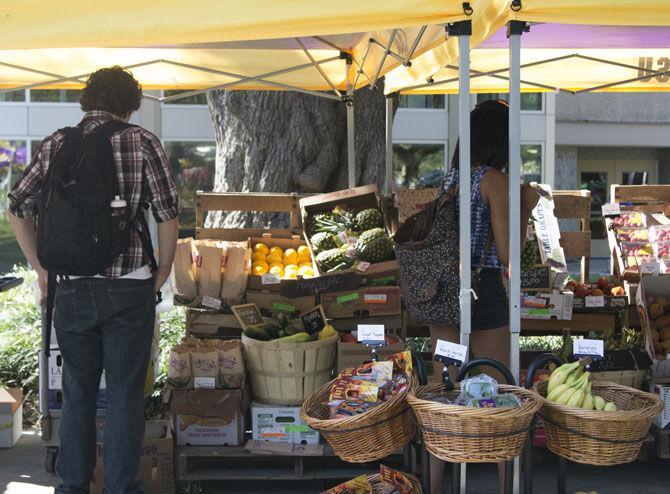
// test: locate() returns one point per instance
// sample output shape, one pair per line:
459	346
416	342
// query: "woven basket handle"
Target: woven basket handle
537	363
479	362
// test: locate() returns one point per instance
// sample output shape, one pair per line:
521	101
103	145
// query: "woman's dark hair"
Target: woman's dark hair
489	135
113	90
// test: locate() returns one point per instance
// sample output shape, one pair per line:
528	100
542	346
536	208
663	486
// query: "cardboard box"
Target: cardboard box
358	198
392	324
259	283
11	416
156	468
554	305
56	371
661	387
209	417
652	287
368	301
411	201
355	354
275	303
276	423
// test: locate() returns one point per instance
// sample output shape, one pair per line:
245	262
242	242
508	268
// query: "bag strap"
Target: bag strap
48	317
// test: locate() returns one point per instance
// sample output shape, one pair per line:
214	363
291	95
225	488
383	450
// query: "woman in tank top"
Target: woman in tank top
489	201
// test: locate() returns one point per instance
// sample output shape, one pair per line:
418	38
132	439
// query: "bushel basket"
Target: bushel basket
597	437
461	434
285	373
370	436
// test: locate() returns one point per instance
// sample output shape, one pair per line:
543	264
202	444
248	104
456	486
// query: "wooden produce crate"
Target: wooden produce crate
359	197
363	302
203	323
247	202
259	283
275	303
580	323
649	199
662	438
575	205
630	378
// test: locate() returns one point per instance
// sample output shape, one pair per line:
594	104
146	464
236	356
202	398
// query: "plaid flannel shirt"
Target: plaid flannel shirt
143	174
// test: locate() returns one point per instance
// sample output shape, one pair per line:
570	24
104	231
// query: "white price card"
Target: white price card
451	350
611	209
211	302
371	332
597	301
270	279
650	266
594	348
204	382
363	266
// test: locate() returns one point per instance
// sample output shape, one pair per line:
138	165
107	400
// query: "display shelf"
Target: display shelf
580	323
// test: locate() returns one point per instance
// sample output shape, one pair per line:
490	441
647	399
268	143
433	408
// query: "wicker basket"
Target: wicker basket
462	434
370	436
597	437
630	378
287	373
376	482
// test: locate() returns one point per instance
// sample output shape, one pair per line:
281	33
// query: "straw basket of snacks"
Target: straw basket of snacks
479	421
363	413
285	369
596	423
387	481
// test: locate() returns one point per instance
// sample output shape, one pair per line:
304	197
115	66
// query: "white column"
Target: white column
550	139
389	144
464	185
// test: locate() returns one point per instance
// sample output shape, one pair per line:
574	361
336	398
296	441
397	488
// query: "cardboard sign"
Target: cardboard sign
211	302
314	320
371	333
204	383
448	352
321	284
611	210
650	266
588	348
594	301
536	279
270	279
248	315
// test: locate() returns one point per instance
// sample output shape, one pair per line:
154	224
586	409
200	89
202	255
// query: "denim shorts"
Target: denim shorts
491	309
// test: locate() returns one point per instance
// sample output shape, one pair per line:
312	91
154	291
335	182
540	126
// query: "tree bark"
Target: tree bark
275	141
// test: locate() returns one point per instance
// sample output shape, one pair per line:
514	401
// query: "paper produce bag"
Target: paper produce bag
185	268
179	368
236	272
231	362
205	362
211	256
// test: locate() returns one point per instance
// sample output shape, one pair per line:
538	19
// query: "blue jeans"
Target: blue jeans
103	324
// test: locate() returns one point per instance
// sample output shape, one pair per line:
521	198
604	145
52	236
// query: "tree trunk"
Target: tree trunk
275	141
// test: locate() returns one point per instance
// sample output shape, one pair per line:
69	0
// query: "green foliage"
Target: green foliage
20	334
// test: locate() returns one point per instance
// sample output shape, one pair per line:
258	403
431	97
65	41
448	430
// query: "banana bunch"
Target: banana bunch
569	385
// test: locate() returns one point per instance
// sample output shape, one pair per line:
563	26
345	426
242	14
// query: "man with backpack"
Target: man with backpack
78	212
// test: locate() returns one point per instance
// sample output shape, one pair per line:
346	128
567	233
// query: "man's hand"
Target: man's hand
160	277
42	280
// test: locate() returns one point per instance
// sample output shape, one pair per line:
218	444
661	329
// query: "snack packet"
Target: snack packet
402	363
392	388
396	480
359	485
353	389
179	367
340	409
378	372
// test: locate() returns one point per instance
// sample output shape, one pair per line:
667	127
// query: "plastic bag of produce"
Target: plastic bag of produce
211	256
185	268
179	368
236	272
479	387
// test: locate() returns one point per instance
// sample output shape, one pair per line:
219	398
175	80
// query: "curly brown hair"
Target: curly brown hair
112	89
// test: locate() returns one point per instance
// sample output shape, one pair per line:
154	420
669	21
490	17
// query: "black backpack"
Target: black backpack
77	235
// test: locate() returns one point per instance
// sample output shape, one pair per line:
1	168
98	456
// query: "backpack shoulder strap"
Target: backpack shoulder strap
108	129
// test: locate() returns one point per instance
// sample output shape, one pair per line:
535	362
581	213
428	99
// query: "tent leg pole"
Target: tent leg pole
389	144
351	153
514	34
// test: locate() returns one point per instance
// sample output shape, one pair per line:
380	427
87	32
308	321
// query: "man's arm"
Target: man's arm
26	236
167	244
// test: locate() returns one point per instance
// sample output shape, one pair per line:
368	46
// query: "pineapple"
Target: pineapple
322	241
369	219
375	246
332	259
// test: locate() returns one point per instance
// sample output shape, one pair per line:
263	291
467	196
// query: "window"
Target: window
425	101
13	159
529	101
13	96
192	165
55	95
417	166
196	99
531	162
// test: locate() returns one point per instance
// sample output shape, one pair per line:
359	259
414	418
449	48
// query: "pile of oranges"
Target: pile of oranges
287	264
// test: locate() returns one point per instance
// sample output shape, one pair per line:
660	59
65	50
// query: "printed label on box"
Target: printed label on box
597	301
270	279
349	297
374	298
